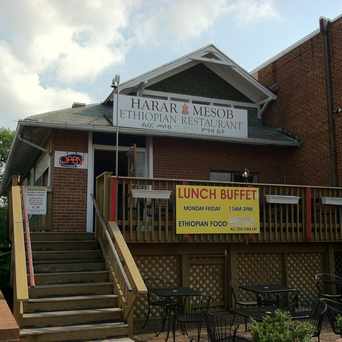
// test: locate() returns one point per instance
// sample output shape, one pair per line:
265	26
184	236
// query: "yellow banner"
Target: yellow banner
217	210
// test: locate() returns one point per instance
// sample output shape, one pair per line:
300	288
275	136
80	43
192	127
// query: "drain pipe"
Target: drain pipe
324	25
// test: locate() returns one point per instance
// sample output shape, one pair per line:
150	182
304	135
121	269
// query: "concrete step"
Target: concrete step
76	289
71	317
64	245
71	277
61	236
71	303
69	267
81	332
66	256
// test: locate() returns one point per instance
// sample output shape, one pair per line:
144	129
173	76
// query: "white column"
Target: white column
90	183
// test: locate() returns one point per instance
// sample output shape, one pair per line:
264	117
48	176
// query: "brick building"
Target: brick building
307	78
200	120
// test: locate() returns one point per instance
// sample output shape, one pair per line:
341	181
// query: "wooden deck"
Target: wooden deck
153	221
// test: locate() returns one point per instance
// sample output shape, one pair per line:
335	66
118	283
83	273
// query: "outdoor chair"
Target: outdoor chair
193	314
315	318
221	327
329	286
334	309
238	304
153	301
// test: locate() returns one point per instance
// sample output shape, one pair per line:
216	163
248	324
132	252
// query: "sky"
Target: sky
56	52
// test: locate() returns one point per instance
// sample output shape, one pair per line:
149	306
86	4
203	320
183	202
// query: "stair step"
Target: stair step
71	277
61	236
81	332
70	317
66	255
64	245
69	267
71	303
59	290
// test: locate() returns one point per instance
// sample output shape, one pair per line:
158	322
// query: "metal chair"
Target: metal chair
193	313
315	318
237	304
329	286
334	309
155	301
221	328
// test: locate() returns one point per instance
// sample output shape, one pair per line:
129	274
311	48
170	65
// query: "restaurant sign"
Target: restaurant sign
176	117
217	210
71	160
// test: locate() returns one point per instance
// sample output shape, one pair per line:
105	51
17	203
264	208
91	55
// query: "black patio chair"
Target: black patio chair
334	309
193	314
315	318
221	327
153	301
238	304
329	286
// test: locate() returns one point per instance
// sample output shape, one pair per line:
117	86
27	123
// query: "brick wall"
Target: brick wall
336	46
193	159
69	186
301	108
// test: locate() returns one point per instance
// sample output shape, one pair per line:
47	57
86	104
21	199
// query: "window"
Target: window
232	176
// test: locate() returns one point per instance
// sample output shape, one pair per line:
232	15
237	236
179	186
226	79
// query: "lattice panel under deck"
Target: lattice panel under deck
157	271
302	268
257	268
208	278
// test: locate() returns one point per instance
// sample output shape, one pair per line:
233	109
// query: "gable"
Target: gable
199	80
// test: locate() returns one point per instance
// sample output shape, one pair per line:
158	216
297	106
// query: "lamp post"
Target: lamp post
115	85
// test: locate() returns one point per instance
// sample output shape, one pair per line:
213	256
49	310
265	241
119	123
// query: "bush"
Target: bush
339	324
281	328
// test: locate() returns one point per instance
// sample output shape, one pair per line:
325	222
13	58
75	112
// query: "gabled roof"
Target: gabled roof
216	61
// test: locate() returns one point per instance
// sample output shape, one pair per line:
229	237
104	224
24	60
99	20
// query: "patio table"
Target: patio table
264	290
174	293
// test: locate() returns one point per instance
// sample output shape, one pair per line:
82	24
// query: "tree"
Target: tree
6	138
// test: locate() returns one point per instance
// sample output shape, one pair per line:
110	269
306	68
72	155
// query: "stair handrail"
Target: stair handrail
112	246
28	238
134	285
19	270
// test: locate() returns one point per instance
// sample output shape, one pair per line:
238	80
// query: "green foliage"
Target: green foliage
281	328
339	324
5	255
6	138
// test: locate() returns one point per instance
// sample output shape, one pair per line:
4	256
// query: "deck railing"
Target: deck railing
19	269
316	217
125	274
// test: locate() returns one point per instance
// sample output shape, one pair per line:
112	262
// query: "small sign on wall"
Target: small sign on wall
36	200
71	160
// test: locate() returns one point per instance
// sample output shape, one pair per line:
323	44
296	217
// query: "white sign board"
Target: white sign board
71	160
36	199
181	117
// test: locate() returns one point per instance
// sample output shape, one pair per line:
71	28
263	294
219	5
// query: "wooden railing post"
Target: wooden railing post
113	211
308	201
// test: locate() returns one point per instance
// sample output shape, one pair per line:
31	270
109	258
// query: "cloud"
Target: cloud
73	42
181	20
22	94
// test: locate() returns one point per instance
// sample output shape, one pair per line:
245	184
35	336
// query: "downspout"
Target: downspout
324	29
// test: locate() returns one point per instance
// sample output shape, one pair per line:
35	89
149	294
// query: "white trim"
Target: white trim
190	98
113	148
90	183
149	145
187	61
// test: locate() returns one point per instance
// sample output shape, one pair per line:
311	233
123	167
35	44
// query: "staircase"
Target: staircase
73	299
